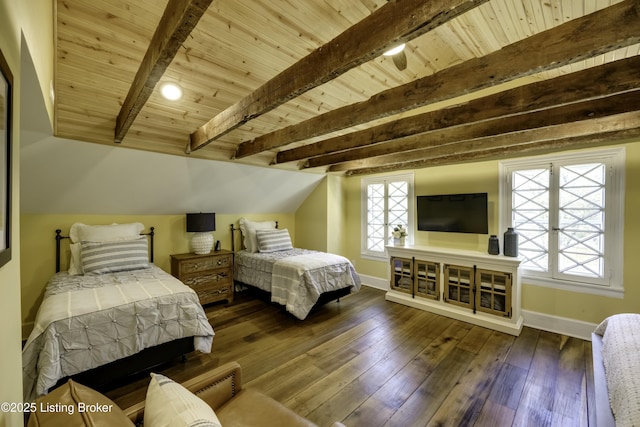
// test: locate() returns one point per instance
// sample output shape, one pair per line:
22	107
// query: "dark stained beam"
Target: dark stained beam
596	132
412	146
605	80
396	22
178	20
602	31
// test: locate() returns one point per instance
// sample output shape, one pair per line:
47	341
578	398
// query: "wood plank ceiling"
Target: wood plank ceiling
304	85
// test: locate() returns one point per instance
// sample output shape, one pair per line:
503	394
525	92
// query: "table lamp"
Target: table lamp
202	224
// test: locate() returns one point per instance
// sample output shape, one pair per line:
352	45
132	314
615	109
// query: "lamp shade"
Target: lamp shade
201	222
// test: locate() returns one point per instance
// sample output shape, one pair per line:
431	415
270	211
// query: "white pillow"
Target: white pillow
170	404
273	240
105	233
248	229
75	261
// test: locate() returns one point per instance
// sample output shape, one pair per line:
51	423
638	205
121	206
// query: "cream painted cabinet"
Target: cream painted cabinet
471	286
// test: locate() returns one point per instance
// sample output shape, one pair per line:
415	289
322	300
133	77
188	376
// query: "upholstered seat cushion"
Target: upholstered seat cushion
251	408
74	405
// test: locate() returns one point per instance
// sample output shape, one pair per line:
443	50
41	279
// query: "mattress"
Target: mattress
86	321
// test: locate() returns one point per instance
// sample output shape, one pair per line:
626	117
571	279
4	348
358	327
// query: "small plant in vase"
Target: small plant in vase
399	235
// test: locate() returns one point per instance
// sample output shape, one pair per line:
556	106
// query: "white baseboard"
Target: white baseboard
542	321
375	282
559	325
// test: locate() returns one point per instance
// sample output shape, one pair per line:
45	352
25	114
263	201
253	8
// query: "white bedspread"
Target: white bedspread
88	321
298	281
621	354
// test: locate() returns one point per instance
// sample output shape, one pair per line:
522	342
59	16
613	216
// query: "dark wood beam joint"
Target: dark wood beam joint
178	20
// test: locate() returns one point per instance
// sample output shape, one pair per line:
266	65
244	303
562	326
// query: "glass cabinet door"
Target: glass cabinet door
401	275
493	292
427	277
458	282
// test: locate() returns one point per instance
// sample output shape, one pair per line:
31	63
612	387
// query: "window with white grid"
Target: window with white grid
386	203
568	213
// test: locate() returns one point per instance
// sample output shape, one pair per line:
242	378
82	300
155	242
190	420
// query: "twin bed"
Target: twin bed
298	279
111	314
114	313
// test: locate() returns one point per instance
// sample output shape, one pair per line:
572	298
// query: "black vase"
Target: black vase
494	245
511	242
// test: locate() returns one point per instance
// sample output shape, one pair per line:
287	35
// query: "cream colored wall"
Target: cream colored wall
37	26
311	219
336	215
483	177
10	356
321	218
38	245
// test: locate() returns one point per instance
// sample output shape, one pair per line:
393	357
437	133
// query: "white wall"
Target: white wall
64	176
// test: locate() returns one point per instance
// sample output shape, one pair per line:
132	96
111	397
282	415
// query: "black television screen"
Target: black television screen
455	213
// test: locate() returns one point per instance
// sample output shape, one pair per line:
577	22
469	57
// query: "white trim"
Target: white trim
611	284
558	325
583	288
375	282
364	183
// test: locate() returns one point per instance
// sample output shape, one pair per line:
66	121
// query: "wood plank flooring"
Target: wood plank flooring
368	362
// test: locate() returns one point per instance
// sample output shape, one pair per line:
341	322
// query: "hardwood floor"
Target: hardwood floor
368	362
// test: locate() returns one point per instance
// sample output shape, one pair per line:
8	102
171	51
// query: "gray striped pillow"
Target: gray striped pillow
110	257
273	240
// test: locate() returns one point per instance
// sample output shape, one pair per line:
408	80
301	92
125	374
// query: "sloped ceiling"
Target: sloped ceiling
61	176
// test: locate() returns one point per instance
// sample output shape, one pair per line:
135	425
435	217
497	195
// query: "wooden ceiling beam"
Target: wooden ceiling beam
599	32
394	23
605	80
178	20
409	146
597	132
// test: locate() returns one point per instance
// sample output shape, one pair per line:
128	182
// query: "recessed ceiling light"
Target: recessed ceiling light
171	91
395	50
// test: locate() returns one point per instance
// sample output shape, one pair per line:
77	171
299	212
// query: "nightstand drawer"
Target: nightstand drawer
209	294
214	278
210	275
204	264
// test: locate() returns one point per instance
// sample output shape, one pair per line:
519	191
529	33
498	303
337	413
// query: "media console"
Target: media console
471	286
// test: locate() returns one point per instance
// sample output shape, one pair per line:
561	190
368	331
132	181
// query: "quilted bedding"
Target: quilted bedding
296	278
89	320
620	349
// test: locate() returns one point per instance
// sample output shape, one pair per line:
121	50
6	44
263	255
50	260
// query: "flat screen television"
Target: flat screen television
454	213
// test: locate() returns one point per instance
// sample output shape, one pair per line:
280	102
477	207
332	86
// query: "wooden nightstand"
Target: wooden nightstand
210	275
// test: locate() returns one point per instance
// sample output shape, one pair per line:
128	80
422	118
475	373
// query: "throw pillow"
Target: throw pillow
169	404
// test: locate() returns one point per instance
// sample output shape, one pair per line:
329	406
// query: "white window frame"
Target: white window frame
365	182
614	160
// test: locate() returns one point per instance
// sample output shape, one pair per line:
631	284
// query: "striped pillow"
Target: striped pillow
171	404
110	257
273	240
